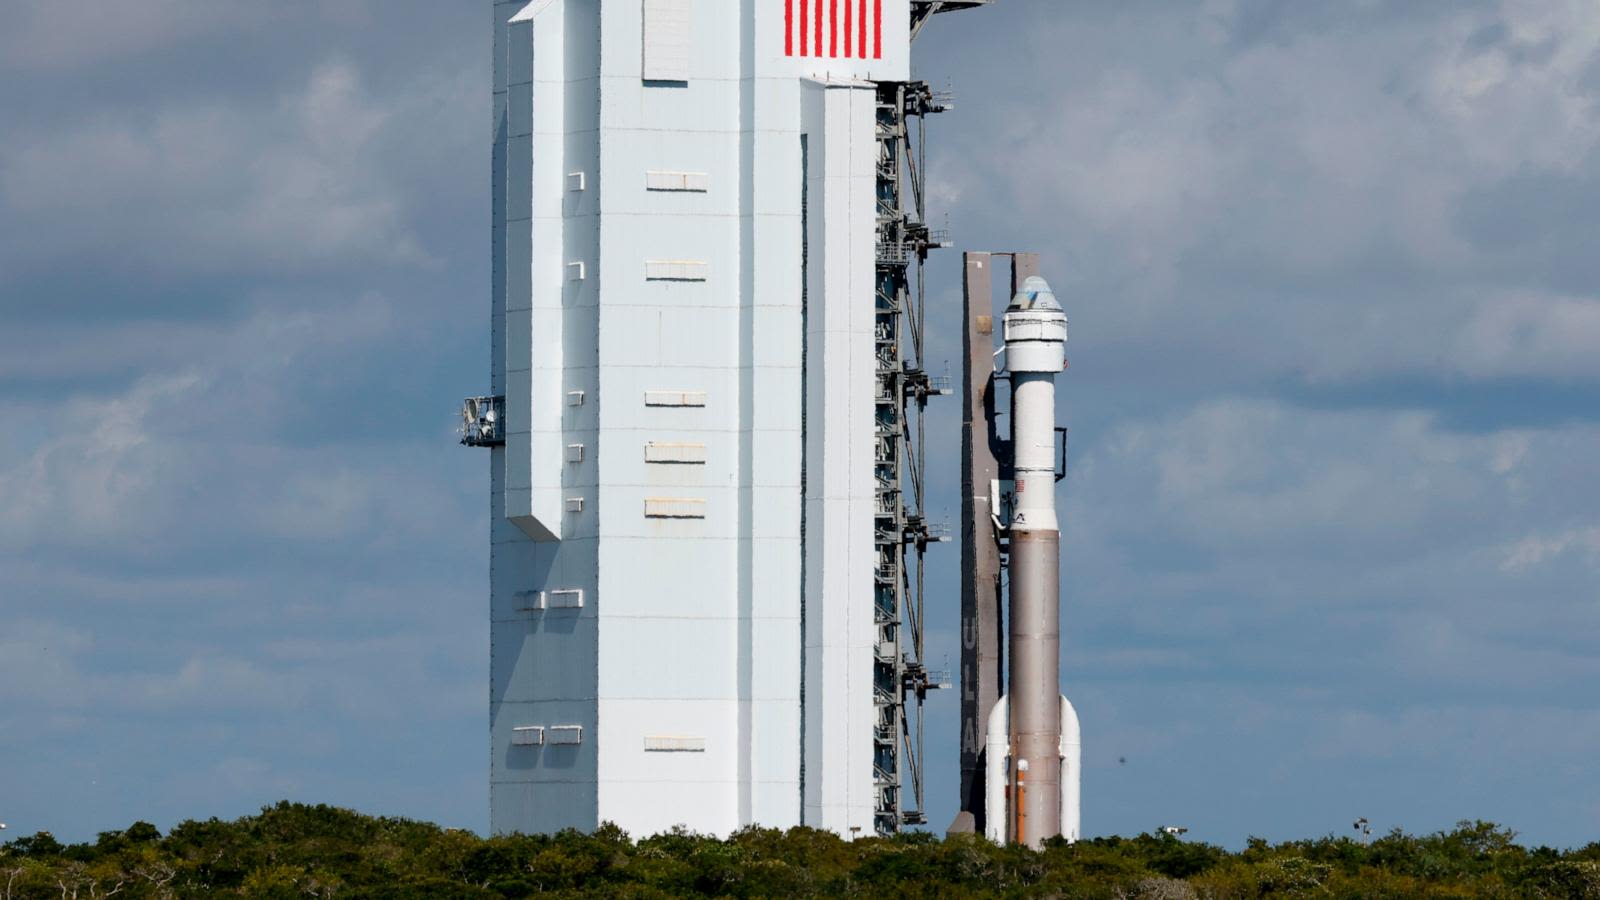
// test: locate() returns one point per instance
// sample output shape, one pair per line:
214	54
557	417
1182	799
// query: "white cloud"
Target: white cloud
1531	334
96	467
1232	473
218	186
50	668
1368	547
46	34
1536	550
1517	102
180	457
53	36
1291	206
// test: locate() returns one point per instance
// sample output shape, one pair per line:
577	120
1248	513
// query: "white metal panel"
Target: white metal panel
541	668
839	507
862	228
648	792
631	334
708	564
532	661
688	330
781	383
533	807
637	151
534	331
777	513
709	108
660	662
667	35
772	393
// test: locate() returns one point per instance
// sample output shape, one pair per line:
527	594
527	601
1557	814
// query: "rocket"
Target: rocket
1032	757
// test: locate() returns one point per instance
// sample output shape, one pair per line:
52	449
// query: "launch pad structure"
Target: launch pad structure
778	340
986	460
902	532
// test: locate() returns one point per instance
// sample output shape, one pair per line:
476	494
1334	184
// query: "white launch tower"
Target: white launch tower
693	245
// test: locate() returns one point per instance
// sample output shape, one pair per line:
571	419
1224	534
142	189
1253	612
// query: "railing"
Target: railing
893	255
483	422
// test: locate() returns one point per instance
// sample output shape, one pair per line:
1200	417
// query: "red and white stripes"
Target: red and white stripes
833	29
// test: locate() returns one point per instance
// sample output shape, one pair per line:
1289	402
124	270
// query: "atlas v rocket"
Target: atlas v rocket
1020	779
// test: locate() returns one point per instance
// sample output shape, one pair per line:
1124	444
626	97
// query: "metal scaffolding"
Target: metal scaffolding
903	532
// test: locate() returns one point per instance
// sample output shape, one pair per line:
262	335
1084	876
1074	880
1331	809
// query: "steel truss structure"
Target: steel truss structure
901	677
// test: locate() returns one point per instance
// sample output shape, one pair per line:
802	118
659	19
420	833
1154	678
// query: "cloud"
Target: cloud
48	35
54	666
239	439
97	467
1531	334
52	36
216	186
1259	477
1249	540
1277	613
1237	194
1536	550
226	531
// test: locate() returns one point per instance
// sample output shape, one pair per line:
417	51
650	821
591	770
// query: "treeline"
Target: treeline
295	851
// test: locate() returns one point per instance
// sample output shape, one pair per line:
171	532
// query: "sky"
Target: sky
1333	513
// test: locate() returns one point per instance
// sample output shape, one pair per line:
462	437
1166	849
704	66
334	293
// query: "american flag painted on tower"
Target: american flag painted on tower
833	29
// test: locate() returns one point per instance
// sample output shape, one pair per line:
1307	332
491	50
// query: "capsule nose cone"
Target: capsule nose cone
1036	295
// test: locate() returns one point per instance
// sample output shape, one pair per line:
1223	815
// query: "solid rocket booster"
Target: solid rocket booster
1035	352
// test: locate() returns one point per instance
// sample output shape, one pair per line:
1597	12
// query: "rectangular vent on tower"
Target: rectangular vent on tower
574	504
575	271
566	734
663	743
567	599
674	270
527	736
530	601
674	508
675	398
574	453
577	181
664	452
693	182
